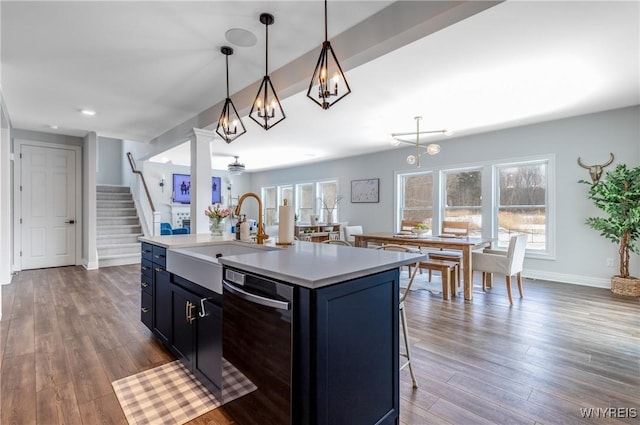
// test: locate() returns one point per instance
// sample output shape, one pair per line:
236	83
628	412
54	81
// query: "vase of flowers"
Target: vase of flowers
216	215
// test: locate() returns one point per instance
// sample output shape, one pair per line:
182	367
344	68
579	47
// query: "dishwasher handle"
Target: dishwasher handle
257	299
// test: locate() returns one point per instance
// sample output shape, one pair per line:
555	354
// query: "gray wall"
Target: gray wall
580	251
110	162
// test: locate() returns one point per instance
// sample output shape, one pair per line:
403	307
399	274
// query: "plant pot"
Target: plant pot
627	286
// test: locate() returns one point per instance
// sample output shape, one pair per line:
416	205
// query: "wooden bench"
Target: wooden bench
449	271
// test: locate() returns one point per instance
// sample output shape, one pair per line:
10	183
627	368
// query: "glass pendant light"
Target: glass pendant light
230	126
266	110
328	80
431	149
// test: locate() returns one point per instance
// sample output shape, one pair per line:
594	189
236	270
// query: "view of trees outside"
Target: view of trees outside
417	195
522	203
463	195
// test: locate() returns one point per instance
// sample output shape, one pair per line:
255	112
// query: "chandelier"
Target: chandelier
267	110
431	149
327	64
235	168
229	119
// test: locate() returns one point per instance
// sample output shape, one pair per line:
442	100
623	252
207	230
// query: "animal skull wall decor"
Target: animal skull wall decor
595	171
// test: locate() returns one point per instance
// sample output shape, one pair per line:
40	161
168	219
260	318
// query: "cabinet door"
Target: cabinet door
162	303
208	360
184	315
357	340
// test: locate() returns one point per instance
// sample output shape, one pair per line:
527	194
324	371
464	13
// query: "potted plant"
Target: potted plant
618	195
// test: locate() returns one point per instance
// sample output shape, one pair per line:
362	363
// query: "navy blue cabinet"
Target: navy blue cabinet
184	316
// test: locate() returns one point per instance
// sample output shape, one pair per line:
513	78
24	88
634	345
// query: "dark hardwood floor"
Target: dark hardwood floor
67	333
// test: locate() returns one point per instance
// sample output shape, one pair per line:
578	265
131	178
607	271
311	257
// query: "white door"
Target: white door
48	206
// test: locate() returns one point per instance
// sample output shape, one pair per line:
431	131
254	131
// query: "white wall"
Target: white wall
581	252
154	171
6	230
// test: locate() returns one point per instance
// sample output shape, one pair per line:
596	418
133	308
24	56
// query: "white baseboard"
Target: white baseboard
568	278
89	265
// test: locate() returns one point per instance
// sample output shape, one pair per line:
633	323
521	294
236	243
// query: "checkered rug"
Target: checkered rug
170	394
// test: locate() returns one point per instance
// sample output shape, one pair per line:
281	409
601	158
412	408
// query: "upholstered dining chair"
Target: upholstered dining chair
336	242
403	314
509	263
349	231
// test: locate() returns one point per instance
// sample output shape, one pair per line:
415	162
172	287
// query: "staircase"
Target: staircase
118	227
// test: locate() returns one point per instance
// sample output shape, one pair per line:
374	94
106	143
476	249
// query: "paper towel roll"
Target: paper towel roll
285	224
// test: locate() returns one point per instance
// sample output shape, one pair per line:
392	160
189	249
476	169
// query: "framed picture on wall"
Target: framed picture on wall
365	190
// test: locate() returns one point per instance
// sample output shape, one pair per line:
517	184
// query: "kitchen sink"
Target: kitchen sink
199	264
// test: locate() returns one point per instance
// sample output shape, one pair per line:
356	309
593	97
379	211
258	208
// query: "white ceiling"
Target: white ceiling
148	67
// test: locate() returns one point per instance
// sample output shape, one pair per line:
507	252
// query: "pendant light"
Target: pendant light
229	119
431	149
327	67
266	110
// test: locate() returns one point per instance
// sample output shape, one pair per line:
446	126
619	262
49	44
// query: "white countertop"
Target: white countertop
308	264
314	265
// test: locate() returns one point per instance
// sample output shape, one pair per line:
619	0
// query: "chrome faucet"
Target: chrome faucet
261	236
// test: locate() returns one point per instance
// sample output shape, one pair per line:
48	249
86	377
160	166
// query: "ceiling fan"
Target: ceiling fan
235	168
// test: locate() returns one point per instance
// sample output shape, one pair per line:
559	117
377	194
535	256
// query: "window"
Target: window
522	203
328	201
307	201
463	198
270	205
416	203
304	201
518	197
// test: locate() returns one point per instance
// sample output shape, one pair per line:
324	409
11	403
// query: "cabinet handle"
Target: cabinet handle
145	268
145	310
145	285
159	269
203	311
189	312
146	251
159	256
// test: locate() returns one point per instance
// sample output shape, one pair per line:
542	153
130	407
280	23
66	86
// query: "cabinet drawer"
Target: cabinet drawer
147	251
146	309
160	256
146	284
146	268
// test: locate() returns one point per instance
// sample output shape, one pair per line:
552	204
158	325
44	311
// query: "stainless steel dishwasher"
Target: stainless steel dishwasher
257	340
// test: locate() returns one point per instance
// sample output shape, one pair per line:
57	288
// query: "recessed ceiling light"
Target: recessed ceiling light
88	112
53	127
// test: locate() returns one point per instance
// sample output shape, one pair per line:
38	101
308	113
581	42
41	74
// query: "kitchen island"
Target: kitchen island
324	348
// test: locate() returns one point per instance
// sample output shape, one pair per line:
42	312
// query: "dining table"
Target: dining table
464	244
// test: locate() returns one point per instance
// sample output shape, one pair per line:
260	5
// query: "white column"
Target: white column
89	202
156	223
200	178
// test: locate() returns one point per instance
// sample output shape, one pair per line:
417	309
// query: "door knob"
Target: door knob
70	222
